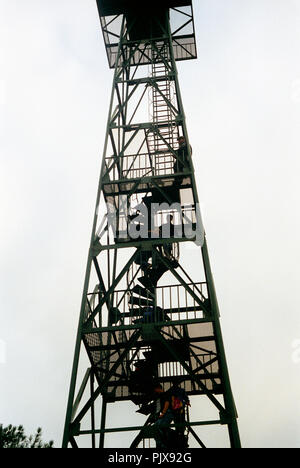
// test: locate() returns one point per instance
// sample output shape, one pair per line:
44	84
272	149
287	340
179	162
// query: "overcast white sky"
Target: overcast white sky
242	101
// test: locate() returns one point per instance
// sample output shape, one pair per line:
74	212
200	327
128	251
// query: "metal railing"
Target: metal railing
174	300
141	165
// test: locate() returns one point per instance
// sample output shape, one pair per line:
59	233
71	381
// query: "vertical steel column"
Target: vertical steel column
114	323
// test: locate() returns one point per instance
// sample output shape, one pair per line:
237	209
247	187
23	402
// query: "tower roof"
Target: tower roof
120	7
148	21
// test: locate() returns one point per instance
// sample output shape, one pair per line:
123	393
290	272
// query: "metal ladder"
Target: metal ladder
162	114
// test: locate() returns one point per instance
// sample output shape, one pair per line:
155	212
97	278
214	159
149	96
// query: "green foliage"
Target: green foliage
14	437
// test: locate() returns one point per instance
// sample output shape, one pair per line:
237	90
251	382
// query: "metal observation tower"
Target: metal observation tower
147	314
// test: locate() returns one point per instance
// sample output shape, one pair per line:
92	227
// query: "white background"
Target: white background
242	101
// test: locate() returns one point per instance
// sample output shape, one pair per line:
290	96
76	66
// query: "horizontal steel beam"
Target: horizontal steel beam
119	346
139	428
148	243
90	330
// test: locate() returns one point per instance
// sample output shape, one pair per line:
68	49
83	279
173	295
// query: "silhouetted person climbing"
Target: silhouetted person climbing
180	400
167	231
165	417
141	223
182	158
172	408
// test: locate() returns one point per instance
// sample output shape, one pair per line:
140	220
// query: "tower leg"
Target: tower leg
144	315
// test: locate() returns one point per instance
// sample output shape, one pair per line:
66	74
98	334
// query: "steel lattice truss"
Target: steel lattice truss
141	304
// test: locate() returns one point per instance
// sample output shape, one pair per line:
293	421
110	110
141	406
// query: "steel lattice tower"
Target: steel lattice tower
142	309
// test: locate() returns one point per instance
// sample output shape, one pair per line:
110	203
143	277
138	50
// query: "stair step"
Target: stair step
133	312
146	283
142	292
160	354
157	273
139	301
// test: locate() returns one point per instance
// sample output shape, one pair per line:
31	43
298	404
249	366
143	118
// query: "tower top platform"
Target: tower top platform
148	22
121	7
